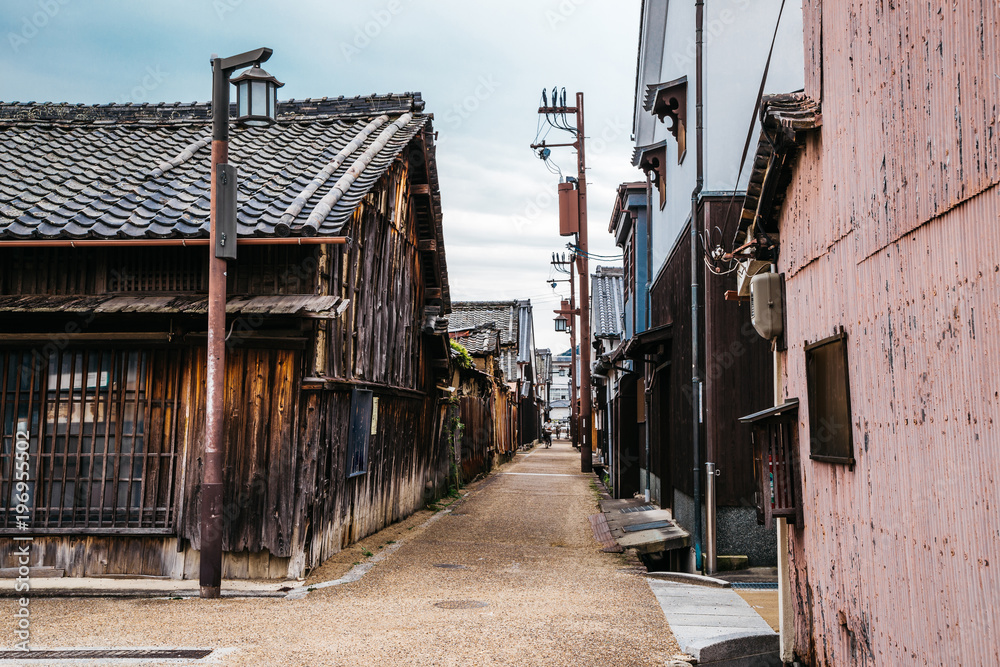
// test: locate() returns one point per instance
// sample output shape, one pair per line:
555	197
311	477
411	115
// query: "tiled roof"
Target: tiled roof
141	171
472	314
606	294
504	315
478	342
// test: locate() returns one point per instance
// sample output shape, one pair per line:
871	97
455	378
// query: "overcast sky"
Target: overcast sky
480	66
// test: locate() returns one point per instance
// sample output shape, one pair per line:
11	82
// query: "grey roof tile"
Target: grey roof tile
607	290
98	171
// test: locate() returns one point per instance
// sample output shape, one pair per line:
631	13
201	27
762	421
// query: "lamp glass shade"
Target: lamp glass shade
560	323
256	97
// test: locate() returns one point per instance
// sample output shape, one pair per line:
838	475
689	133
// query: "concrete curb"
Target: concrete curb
685	578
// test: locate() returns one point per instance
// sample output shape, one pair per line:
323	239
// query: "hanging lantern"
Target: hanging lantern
560	324
256	97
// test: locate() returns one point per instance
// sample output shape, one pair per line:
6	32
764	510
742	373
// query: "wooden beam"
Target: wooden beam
427	245
420	189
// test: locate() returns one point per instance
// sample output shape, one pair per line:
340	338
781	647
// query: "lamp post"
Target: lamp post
257	107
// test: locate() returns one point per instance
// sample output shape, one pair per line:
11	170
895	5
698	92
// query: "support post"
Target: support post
210	575
711	564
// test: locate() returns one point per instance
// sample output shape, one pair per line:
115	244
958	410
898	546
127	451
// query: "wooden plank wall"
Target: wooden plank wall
402	459
260	407
379	338
671	427
739	377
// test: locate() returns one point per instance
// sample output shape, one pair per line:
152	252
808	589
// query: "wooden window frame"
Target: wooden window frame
359	432
817	387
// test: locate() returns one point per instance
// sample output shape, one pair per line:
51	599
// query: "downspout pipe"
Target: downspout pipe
696	390
646	325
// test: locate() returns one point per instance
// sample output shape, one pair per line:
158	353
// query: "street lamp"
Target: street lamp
256	97
258	91
561	324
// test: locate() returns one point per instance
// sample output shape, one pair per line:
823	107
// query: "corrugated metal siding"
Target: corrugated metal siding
897	560
912	96
914	526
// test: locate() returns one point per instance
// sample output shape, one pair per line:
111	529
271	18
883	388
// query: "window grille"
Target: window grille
102	439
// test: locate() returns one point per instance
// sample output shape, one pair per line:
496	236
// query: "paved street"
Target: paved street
531	587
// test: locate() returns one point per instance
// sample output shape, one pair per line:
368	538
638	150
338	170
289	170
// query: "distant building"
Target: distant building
514	322
607	328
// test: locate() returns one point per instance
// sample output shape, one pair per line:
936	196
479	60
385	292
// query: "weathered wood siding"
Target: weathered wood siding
403	457
288	503
671	416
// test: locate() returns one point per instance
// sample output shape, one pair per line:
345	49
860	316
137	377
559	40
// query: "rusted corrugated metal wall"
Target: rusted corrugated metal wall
892	230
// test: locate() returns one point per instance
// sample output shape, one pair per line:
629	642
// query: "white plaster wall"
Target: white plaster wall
737	37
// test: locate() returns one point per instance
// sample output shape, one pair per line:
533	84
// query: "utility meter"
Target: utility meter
767	304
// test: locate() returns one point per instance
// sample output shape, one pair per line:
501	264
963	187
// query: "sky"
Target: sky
480	67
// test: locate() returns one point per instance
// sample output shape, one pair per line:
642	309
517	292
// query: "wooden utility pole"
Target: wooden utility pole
583	271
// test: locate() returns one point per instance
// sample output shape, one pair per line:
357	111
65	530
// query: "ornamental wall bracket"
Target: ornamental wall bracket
669	100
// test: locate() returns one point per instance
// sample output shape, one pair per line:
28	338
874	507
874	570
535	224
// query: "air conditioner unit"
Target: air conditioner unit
767	304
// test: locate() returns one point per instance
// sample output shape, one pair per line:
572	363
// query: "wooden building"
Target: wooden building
696	367
514	322
335	331
606	326
482	423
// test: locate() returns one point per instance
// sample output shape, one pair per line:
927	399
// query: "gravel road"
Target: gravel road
526	584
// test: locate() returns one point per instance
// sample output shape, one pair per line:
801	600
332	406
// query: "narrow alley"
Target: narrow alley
508	575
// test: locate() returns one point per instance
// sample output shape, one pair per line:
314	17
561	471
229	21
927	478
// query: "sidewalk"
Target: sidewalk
510	575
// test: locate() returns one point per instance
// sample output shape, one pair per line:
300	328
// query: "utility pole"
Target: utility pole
574	406
568	313
583	265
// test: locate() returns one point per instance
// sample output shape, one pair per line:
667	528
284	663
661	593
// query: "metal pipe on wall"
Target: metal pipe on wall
710	556
696	395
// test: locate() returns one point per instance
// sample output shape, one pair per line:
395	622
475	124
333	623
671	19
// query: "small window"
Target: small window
360	432
827	380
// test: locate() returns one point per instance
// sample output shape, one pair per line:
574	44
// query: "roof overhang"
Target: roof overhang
305	306
784	120
643	343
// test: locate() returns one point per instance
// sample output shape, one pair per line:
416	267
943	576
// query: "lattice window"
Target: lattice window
101	438
157	270
776	463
